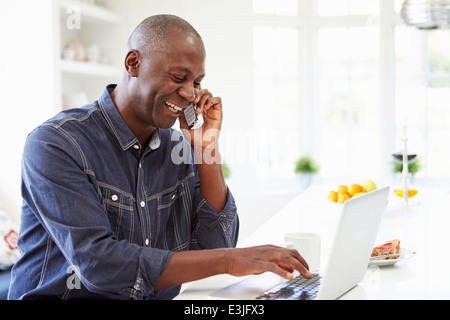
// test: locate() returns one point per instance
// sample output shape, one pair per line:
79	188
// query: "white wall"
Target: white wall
26	86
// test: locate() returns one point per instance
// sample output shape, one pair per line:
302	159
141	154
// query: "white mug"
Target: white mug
308	245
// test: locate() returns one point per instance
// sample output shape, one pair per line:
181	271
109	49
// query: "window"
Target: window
348	100
277	7
422	95
276	97
361	75
277	88
347	7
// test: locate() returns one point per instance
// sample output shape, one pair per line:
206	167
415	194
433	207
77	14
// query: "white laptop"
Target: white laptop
347	263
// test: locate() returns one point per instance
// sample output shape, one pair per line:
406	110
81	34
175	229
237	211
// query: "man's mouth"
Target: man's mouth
172	107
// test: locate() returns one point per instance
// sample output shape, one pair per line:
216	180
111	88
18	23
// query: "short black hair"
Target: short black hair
151	33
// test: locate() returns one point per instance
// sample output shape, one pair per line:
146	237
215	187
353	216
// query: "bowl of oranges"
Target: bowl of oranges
344	192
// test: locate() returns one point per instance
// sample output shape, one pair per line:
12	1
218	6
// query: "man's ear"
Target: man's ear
132	62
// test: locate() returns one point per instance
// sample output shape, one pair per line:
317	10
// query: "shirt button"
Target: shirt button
142	204
114	197
173	197
136	146
147	242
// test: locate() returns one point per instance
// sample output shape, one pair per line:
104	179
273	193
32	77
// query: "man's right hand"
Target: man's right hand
268	258
187	266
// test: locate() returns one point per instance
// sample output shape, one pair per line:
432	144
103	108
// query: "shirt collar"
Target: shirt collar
155	141
118	126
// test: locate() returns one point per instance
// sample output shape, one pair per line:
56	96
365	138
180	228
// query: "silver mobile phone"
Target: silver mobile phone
194	122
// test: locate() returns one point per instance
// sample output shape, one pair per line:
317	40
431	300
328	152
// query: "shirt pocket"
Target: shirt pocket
173	219
119	207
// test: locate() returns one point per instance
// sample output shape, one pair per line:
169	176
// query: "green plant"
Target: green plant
226	170
413	167
306	164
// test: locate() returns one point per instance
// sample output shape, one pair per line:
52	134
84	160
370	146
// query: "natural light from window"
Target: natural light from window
372	77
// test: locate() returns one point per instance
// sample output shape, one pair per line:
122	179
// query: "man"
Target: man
108	213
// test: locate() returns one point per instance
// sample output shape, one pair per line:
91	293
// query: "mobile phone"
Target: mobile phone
194	122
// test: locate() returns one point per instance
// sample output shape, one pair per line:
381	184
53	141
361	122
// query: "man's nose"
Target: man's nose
187	92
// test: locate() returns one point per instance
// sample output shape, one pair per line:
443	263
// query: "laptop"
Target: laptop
346	266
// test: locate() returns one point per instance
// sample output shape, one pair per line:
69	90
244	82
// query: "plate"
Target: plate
381	263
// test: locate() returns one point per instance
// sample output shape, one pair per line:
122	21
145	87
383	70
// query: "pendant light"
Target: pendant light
426	14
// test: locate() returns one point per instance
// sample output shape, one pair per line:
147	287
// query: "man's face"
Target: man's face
168	81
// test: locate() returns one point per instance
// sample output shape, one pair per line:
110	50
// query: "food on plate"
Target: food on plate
343	192
391	247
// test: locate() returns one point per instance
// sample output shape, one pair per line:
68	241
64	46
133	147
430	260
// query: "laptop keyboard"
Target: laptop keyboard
298	288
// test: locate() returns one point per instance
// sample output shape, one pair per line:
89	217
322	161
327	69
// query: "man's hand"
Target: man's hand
256	260
186	266
211	109
205	143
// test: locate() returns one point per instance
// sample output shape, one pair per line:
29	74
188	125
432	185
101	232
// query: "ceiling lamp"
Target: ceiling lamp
426	14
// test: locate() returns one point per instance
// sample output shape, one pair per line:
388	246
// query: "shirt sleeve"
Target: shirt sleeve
58	187
214	229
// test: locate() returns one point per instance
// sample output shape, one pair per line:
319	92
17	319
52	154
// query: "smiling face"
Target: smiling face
166	81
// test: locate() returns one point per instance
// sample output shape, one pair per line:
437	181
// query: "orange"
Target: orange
343	197
354	189
342	189
333	196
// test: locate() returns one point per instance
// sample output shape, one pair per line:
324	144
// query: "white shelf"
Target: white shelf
87	68
96	27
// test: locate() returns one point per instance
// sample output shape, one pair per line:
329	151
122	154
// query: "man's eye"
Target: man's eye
197	84
178	79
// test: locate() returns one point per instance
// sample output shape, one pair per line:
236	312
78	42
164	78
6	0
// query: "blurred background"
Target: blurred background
333	83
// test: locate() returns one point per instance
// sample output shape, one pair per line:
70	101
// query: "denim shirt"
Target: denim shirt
101	218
